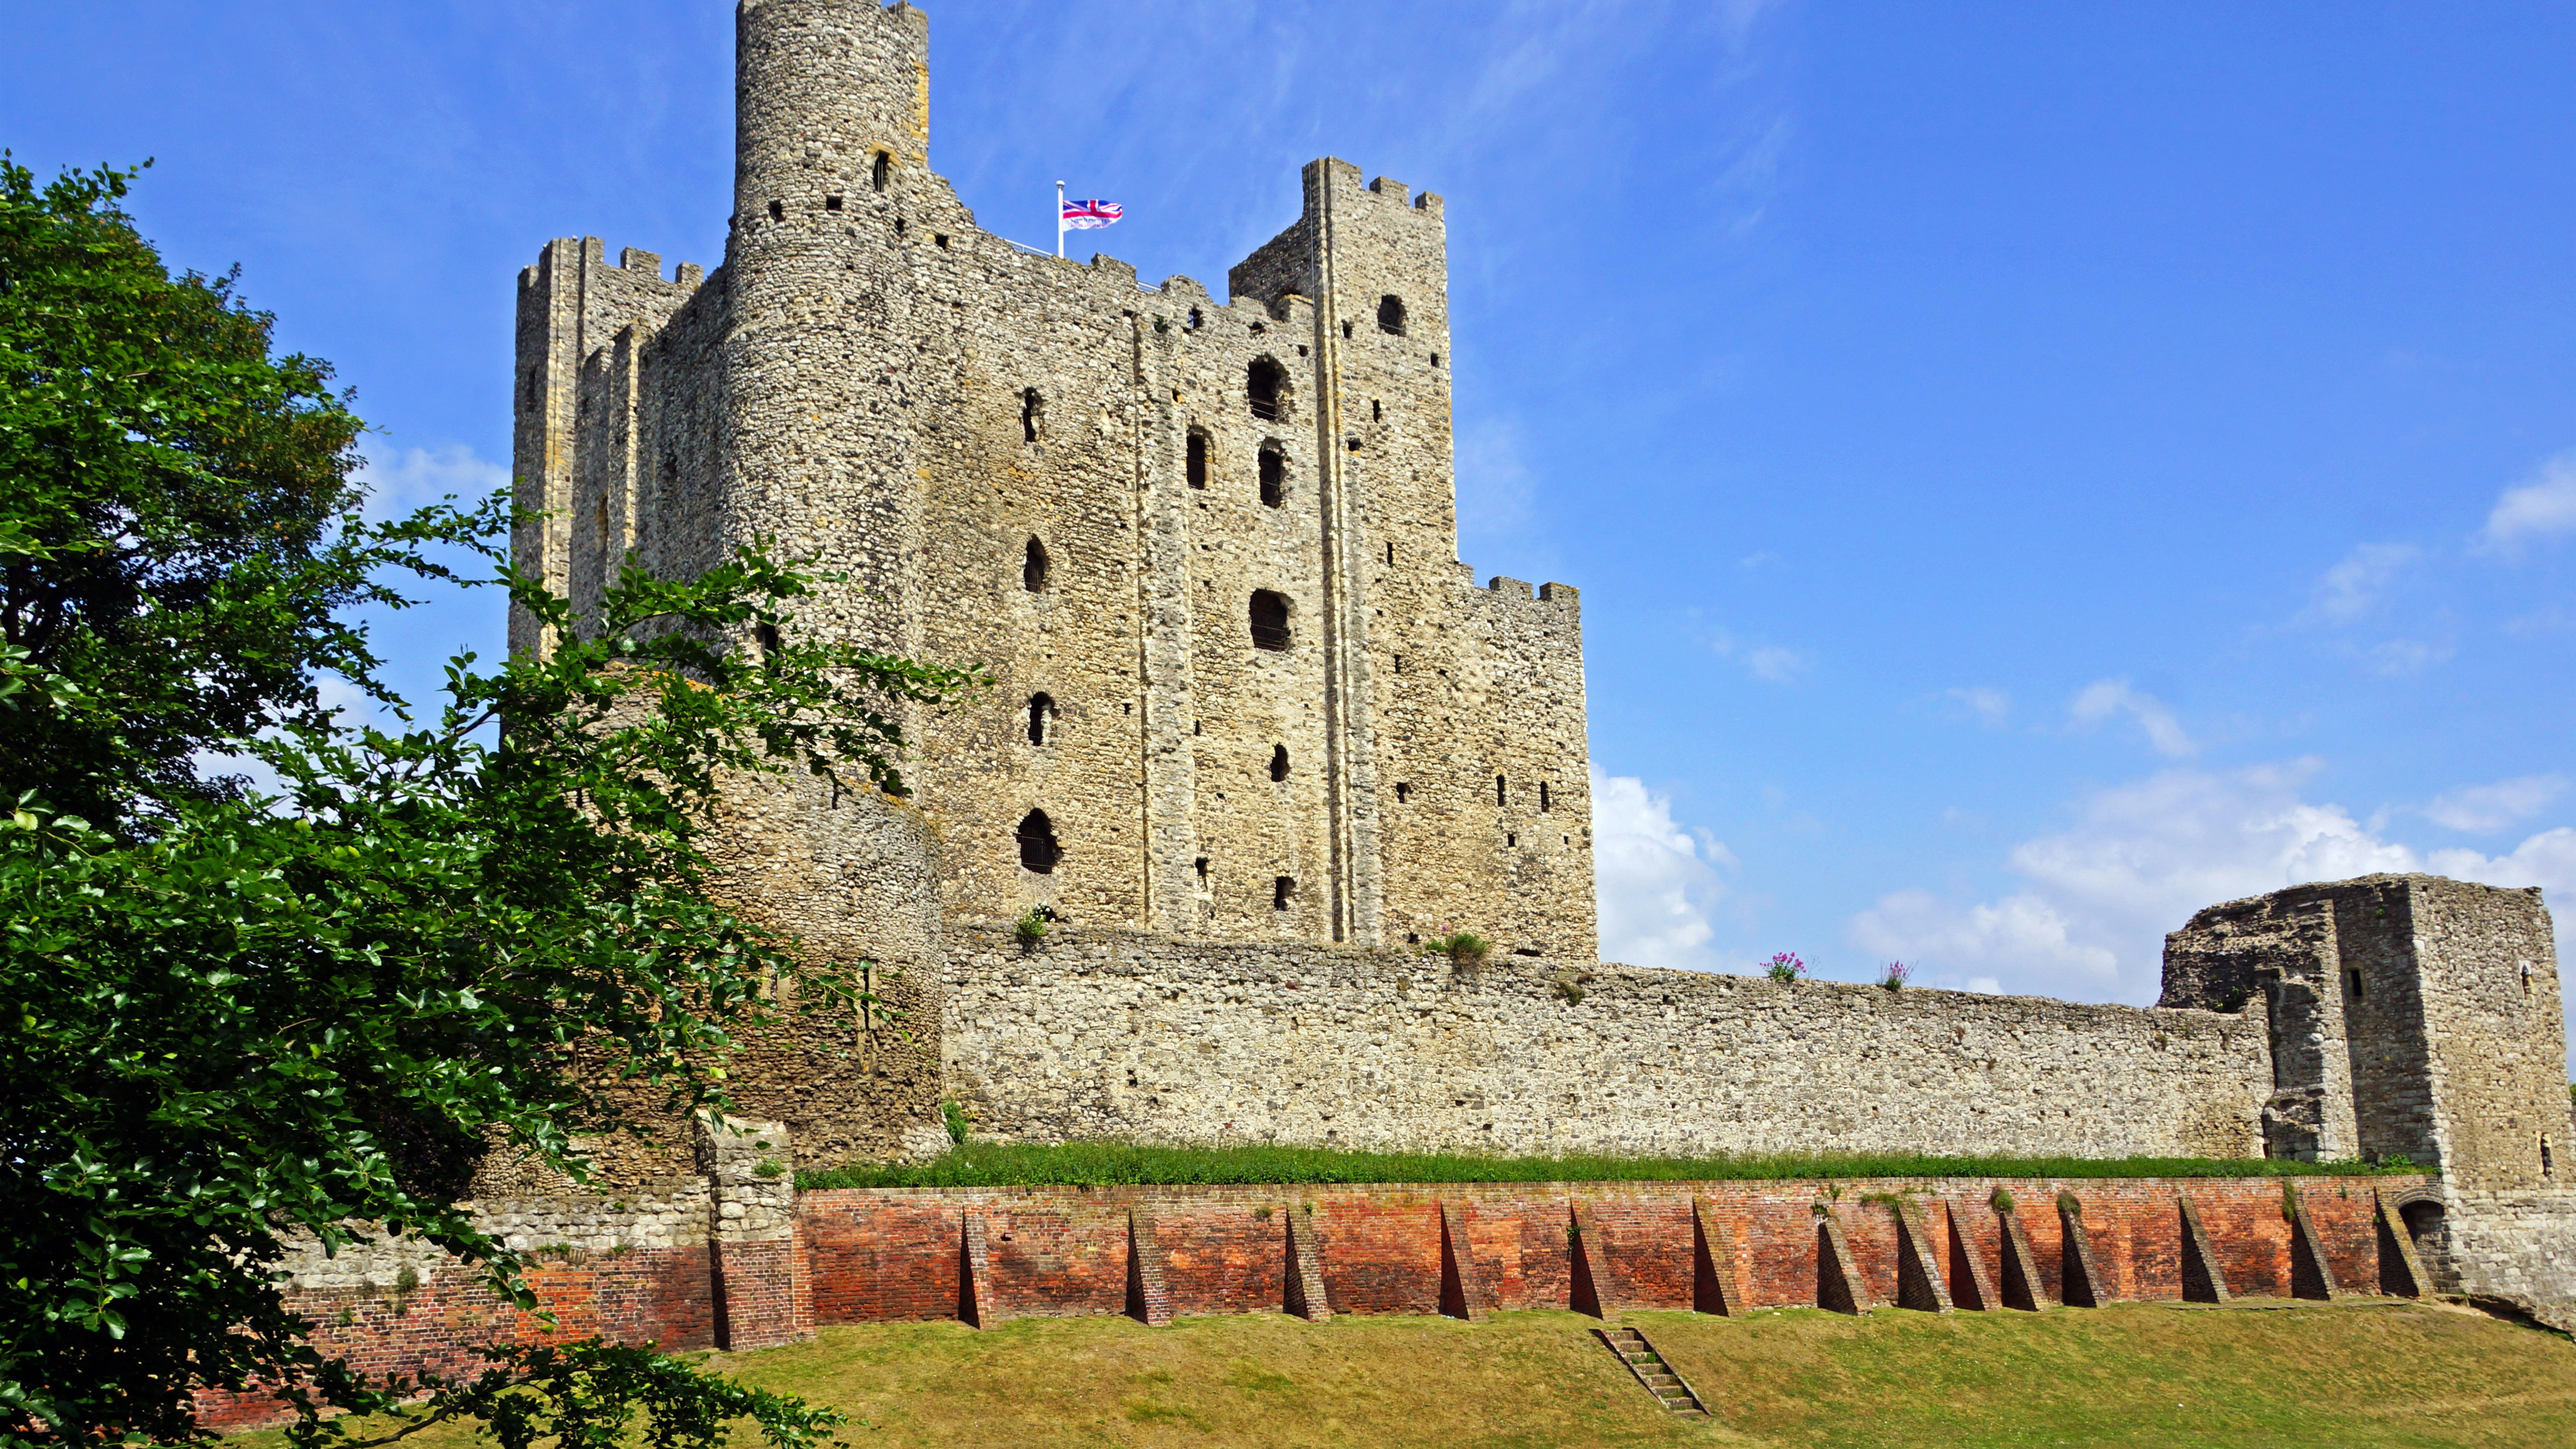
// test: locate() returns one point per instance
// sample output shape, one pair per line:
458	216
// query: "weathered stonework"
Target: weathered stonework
1099	1034
1277	735
1038	465
2418	1017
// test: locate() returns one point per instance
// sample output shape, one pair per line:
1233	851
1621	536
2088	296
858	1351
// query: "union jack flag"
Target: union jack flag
1091	215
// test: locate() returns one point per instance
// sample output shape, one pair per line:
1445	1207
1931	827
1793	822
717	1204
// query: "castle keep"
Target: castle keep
1256	732
1207	548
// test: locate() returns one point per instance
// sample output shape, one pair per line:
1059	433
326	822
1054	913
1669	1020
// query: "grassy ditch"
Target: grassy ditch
1119	1164
2160	1376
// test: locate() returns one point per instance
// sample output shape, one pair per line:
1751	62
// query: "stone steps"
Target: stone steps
1650	1368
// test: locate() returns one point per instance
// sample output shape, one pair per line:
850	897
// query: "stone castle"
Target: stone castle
1244	690
1256	733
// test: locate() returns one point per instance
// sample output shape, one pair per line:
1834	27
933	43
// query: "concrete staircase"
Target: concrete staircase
1649	1366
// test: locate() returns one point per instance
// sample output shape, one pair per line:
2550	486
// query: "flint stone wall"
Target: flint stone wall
1102	1034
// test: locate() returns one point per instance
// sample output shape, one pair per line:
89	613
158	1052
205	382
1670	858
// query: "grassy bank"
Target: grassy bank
2364	1373
1107	1164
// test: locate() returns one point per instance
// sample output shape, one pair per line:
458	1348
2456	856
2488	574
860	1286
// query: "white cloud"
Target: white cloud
399	482
2483	808
1990	706
2021	931
1769	663
2096	898
2546	505
2357	586
1655	881
2104	698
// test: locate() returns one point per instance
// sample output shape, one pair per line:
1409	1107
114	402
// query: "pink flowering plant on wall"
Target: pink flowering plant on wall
1893	978
1785	967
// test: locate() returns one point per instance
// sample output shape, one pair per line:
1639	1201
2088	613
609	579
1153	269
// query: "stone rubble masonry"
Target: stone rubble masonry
873	379
2413	1016
1108	1034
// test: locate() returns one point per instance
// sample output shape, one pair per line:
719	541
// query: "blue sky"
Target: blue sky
2032	470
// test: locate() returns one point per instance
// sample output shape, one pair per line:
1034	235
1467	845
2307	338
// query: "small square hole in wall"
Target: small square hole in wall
940	237
1301	349
1509	839
833	203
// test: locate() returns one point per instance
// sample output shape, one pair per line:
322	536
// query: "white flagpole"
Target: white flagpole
1059	218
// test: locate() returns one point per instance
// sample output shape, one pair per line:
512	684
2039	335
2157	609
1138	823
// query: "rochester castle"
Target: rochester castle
1255	733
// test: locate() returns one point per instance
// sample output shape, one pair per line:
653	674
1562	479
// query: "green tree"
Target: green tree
229	1017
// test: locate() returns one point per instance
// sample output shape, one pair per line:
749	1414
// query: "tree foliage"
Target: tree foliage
233	1017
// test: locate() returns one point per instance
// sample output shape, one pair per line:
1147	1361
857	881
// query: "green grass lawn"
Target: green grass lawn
2262	1373
1107	1164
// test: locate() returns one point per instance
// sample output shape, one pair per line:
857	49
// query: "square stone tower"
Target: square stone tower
1244	689
2415	1016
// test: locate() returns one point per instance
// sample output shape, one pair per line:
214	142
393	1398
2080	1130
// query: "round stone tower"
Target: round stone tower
832	132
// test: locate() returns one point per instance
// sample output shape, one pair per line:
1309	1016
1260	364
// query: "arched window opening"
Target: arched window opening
1281	888
1274	477
1041	708
1038	850
1269	620
1196	320
1202	870
879	170
1196	466
1390	315
1033	574
1499	797
1262	385
1542	797
1278	763
1403	792
1032	412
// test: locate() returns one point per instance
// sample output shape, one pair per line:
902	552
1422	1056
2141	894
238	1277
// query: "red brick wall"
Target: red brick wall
881	1254
871	1255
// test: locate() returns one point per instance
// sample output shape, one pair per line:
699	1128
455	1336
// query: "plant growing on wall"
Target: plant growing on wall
956	1120
1893	977
1785	967
1465	949
1031	927
237	1012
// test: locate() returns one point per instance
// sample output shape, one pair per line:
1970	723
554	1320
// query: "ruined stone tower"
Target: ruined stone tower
1245	690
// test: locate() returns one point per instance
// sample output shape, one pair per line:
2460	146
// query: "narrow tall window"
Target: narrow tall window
1390	553
1196	320
2545	1164
1033	574
1281	888
1542	797
1032	410
1274	477
1261	387
1498	791
1269	620
1196	467
1040	706
1403	792
877	172
1202	870
1038	850
1390	315
2352	979
768	636
1278	763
